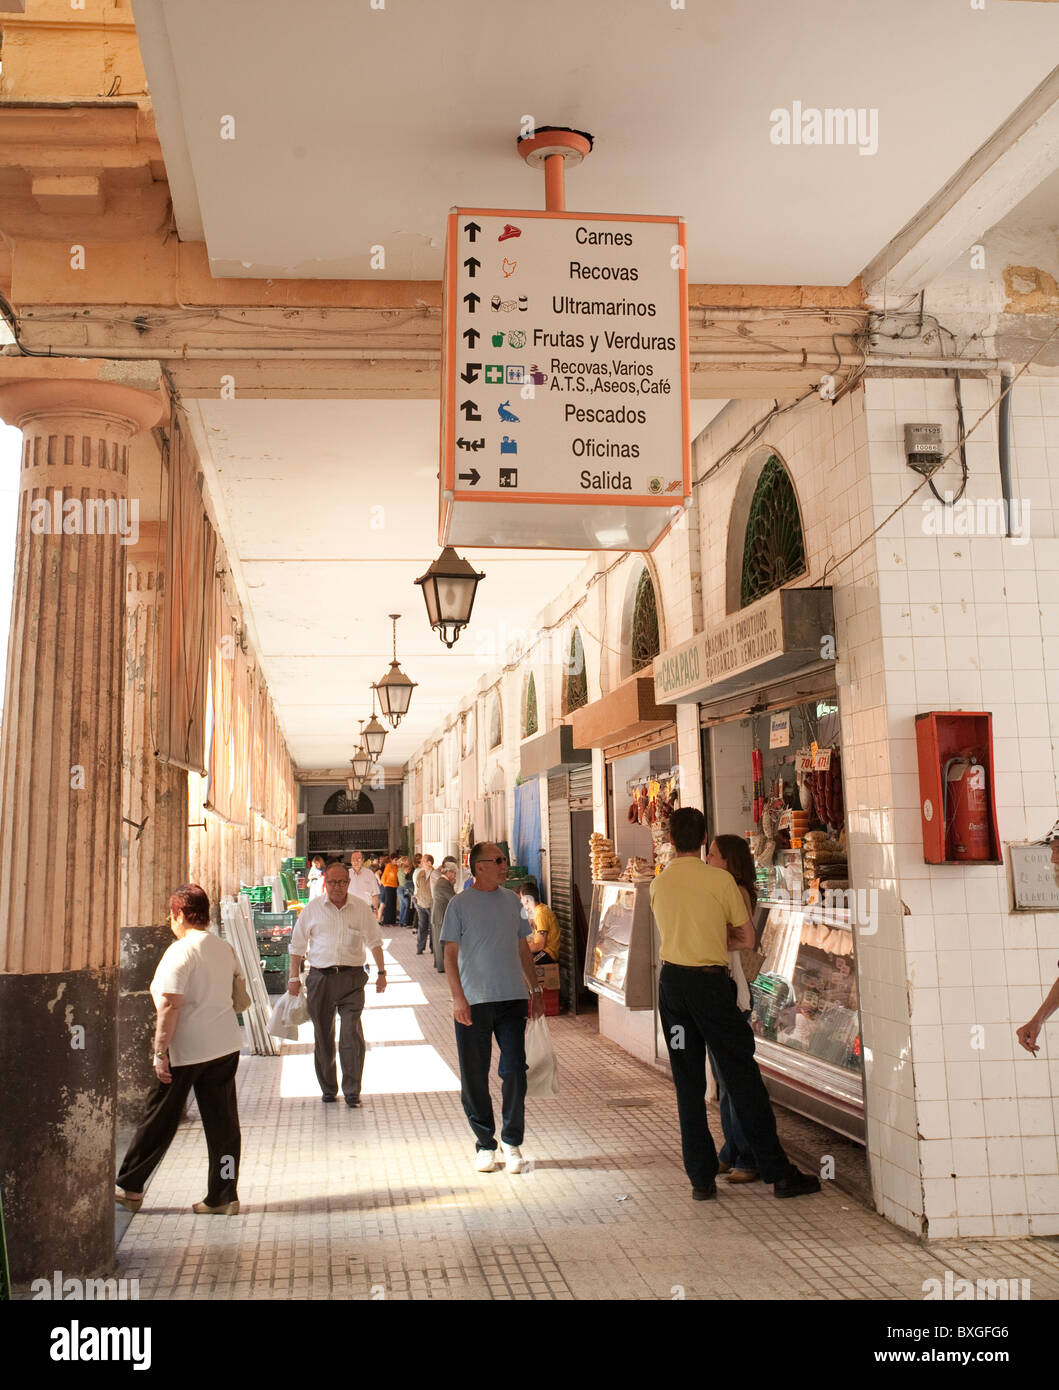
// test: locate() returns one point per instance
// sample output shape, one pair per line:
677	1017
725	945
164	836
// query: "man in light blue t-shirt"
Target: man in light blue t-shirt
490	972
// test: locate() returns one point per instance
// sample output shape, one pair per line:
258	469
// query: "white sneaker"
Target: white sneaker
512	1157
485	1160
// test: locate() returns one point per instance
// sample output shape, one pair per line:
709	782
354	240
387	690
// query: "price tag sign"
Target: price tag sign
805	762
780	730
822	760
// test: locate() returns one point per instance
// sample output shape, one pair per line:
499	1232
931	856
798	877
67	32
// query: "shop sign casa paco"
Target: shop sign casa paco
781	633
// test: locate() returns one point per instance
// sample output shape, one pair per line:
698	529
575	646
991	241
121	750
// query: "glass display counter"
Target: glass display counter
618	959
806	1016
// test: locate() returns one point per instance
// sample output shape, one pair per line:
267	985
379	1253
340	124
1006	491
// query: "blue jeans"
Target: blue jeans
404	899
506	1021
736	1151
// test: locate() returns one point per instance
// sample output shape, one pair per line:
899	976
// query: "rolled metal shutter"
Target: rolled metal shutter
560	881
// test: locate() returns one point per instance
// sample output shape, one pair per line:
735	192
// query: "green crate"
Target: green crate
296	862
275	980
262	920
271	963
274	947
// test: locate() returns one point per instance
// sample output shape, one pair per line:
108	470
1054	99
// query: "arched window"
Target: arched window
340	803
773	545
529	706
469	724
645	644
575	678
496	723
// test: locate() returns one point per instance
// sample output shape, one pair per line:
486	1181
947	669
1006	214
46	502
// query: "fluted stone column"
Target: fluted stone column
60	823
154	830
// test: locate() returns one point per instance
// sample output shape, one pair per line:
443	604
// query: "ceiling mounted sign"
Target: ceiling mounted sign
565	384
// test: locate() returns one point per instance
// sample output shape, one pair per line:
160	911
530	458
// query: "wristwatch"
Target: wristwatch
379	972
163	1055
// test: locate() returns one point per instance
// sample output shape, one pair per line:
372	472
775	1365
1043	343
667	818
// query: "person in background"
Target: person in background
413	919
732	852
388	880
443	893
1029	1032
544	939
701	916
404	891
362	882
490	972
196	1047
332	933
316	876
424	897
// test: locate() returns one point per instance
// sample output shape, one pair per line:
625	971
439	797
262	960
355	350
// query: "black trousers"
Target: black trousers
699	1011
214	1086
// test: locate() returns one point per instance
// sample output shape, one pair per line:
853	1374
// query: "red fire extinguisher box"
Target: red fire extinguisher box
944	737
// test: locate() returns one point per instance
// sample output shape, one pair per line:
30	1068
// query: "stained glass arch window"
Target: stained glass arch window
529	706
645	641
575	677
773	545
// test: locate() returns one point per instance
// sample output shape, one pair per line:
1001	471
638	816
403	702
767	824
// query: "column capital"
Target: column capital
31	398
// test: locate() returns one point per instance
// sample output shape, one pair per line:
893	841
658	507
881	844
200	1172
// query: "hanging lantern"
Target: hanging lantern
374	735
361	760
449	586
395	689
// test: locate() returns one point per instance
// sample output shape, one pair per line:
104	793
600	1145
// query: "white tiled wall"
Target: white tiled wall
967	621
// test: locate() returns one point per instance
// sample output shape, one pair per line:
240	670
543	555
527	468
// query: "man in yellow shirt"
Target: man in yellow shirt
701	916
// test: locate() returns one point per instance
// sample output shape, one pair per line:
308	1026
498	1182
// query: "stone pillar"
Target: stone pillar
154	830
60	822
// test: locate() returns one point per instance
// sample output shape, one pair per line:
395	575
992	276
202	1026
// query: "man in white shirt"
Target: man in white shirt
362	882
332	933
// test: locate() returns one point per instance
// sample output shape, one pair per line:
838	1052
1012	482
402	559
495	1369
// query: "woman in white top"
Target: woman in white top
736	1159
196	1046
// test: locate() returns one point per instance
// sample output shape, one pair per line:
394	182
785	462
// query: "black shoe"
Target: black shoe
330	1099
353	1102
796	1184
704	1194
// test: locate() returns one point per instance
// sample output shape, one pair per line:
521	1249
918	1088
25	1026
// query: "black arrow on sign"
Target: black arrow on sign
472	301
471	371
472	229
472	335
471	477
471	445
470	409
472	263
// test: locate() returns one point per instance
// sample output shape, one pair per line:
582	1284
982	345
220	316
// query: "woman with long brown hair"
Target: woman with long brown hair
731	852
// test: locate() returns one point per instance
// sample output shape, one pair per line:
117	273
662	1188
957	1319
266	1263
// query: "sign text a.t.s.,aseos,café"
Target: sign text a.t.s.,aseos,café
778	635
565	379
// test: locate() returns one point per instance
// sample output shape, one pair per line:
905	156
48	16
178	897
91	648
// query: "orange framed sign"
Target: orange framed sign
565	380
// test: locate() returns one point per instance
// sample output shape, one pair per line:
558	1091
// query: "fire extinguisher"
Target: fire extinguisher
966	809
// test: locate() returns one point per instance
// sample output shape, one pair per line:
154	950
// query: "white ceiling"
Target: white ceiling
356	126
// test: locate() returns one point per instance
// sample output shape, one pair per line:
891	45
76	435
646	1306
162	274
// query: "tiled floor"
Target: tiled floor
382	1202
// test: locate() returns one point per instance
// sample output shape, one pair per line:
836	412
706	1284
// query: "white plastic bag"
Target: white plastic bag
289	1013
542	1073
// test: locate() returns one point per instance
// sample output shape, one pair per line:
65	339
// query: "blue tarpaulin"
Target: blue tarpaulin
527	828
